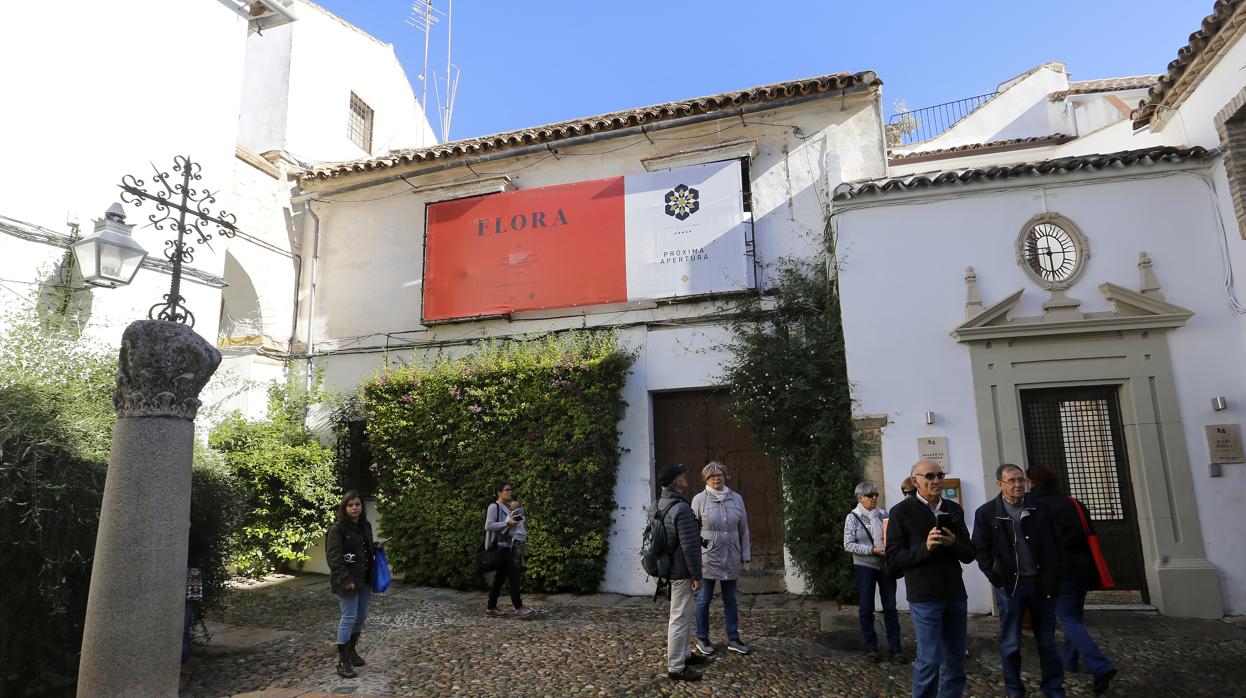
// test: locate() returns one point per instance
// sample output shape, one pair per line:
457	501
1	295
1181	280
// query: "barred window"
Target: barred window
359	123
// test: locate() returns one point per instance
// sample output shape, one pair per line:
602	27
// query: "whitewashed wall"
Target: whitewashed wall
371	259
909	364
98	90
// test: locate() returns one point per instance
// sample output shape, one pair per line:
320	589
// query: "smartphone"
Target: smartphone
518	517
943	520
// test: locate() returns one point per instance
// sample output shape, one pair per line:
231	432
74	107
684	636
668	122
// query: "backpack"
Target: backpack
654	556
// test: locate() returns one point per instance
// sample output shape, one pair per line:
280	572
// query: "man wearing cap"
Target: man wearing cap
683	536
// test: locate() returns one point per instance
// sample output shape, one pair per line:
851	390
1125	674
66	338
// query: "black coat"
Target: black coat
929	575
683	535
1076	564
995	544
349	548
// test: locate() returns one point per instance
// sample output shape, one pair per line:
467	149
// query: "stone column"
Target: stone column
132	642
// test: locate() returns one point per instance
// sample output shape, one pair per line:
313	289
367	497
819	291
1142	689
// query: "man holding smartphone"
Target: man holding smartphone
927	538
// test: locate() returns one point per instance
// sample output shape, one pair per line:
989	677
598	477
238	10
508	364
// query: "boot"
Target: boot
344	669
351	654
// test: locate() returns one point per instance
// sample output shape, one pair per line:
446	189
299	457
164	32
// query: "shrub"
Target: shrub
50	496
286	480
789	385
215	511
542	415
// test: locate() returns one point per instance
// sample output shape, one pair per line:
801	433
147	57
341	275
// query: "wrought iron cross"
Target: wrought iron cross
174	213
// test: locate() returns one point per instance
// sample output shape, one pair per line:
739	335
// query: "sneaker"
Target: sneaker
494	613
737	646
704	646
872	656
1102	683
695	659
685	675
897	658
524	612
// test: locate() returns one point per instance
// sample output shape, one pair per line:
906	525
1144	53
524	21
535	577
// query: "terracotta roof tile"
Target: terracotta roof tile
1066	165
979	148
613	121
1085	87
1200	40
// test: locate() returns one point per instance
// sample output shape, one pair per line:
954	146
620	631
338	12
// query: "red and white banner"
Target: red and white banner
655	235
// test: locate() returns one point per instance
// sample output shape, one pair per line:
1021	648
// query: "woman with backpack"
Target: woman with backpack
865	537
499	525
724	545
350	550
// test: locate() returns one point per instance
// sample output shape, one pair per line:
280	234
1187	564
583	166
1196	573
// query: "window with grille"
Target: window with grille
359	124
1078	439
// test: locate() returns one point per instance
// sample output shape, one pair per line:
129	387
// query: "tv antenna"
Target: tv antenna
423	17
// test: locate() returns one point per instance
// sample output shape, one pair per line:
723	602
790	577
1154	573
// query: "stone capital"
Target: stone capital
163	365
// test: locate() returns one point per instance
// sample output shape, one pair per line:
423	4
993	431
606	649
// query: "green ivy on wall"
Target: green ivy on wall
789	385
541	415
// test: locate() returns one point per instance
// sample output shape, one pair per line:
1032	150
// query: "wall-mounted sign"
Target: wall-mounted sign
1224	443
933	449
951	490
652	235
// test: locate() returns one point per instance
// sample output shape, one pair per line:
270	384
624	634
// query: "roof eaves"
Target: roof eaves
1174	85
1065	165
551	133
979	149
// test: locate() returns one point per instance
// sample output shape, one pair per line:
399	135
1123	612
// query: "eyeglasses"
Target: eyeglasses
871	495
1014	481
931	477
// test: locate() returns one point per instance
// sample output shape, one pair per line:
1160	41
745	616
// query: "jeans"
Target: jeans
1043	618
509	572
190	613
941	628
1070	605
730	609
867	579
679	627
354	612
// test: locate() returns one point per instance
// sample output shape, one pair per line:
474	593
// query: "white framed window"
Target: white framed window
359	123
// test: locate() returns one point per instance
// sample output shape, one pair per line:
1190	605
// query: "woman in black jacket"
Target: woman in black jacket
349	547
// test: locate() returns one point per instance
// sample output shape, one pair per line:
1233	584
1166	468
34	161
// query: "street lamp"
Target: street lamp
109	257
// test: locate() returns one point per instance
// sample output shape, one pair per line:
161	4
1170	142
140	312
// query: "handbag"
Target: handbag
381	576
490	559
887	570
1104	580
194	584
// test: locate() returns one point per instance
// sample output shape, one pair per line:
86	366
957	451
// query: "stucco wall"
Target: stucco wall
909	365
368	271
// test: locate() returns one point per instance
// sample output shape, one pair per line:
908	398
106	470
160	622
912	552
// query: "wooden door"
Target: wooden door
1076	432
693	428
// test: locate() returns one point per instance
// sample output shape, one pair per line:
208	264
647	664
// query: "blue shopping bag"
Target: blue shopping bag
380	572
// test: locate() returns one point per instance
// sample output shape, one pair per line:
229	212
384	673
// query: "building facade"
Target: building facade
385	289
1059	274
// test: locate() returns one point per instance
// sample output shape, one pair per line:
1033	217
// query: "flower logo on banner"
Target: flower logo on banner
682	201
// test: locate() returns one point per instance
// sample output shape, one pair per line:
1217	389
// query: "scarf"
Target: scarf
875	520
718	496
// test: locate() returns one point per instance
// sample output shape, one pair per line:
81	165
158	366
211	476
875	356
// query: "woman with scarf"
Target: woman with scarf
724	545
350	548
865	537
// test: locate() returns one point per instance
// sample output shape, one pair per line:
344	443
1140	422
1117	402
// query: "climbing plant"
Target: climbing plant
541	415
788	384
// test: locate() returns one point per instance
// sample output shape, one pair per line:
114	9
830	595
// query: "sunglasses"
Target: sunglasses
931	477
871	495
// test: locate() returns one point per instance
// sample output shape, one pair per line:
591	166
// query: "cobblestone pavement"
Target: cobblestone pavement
276	640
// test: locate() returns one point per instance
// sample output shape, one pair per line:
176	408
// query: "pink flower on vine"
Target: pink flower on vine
476	409
407	397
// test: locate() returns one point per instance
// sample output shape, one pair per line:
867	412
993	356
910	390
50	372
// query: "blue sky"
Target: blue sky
530	63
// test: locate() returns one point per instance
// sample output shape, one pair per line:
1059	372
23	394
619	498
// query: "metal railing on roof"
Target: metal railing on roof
923	124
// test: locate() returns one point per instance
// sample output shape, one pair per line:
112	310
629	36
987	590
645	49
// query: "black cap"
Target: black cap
668	473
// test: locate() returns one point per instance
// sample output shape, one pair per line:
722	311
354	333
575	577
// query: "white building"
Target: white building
252	90
1059	291
371	296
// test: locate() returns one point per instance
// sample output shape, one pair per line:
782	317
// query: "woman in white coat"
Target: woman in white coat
724	545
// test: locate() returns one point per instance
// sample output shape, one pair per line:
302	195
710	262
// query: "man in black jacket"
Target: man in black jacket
683	537
928	540
1077	574
1018	550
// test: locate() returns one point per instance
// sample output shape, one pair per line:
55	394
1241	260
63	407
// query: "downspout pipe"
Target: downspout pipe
595	137
311	292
